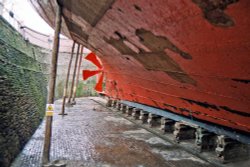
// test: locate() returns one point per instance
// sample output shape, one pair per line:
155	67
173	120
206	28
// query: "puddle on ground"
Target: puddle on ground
157	140
140	134
128	152
176	155
138	131
161	147
118	120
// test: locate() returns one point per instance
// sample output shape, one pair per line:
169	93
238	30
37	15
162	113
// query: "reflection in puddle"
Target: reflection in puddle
176	155
118	120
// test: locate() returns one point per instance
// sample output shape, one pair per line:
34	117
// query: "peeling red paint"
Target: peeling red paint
208	54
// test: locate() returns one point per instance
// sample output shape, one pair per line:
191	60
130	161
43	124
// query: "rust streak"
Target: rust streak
213	11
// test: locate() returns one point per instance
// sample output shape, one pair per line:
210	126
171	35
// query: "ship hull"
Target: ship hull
187	57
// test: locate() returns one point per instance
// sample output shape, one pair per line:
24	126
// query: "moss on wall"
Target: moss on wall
86	89
83	89
22	92
24	70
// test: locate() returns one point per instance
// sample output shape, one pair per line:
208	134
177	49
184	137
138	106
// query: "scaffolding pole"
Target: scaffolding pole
74	74
65	90
53	72
77	77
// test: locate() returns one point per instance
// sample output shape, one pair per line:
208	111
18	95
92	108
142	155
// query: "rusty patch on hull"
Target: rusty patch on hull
171	106
93	11
159	43
245	81
218	108
156	59
73	27
213	11
202	104
235	111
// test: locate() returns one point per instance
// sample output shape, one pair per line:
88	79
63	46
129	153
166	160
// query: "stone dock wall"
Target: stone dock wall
23	91
24	74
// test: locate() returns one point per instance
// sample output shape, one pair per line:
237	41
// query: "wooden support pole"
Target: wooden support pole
53	71
77	77
65	90
74	74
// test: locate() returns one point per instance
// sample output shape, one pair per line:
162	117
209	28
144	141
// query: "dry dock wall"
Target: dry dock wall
23	91
24	73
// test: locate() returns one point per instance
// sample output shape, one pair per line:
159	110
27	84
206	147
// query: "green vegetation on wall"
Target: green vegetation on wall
83	89
59	89
86	89
23	92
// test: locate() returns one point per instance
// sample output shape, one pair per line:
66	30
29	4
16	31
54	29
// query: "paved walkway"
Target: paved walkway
91	135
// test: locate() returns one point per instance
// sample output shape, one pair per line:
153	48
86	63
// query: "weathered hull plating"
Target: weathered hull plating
189	57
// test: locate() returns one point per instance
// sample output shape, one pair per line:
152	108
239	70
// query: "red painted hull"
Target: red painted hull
172	55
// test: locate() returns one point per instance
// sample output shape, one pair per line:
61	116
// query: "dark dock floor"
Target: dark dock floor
91	135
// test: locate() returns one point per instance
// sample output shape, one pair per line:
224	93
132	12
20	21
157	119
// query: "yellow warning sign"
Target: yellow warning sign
49	113
49	109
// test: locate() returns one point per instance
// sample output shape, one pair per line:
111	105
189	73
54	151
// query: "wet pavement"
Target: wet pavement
91	135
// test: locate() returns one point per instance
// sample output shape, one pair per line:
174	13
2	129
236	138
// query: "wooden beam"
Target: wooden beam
74	74
65	90
53	72
77	76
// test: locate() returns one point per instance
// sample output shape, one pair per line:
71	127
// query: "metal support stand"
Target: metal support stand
129	110
153	120
183	132
118	106
123	108
114	102
143	116
229	150
167	125
205	140
136	113
109	103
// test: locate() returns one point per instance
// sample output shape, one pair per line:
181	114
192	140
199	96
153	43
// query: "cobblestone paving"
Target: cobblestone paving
90	135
